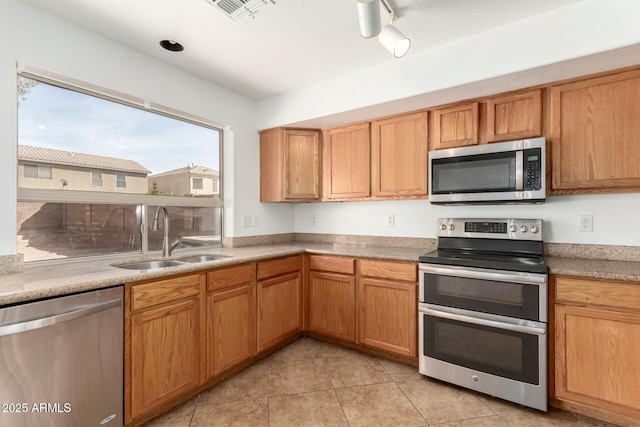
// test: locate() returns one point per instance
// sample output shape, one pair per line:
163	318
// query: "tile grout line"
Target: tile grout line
333	388
404	394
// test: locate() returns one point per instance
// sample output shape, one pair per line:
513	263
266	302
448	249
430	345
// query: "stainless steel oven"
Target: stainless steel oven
483	309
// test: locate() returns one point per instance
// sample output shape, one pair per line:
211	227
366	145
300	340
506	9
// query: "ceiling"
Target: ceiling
286	46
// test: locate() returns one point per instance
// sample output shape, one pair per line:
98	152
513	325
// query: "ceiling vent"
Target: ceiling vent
240	10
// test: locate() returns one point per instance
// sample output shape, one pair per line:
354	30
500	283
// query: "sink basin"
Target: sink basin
201	258
150	265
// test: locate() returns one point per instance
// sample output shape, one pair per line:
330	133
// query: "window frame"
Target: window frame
122	181
200	182
37	167
142	200
95	179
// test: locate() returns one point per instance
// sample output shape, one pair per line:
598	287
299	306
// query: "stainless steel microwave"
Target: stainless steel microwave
505	172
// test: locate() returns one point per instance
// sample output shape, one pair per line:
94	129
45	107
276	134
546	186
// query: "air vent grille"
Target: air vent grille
240	10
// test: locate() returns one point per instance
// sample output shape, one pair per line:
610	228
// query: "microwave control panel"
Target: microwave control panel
533	168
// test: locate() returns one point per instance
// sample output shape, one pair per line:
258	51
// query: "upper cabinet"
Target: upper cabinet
399	147
515	116
455	126
289	165
347	162
595	129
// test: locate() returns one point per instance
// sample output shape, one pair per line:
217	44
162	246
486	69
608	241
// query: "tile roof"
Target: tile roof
60	157
193	169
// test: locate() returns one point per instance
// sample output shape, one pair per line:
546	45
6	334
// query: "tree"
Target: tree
24	86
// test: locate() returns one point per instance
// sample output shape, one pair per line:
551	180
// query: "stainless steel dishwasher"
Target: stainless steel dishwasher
61	361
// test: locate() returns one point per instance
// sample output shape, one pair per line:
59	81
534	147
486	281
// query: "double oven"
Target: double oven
483	309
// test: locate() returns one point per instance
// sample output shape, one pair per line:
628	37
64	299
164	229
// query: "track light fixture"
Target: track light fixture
389	36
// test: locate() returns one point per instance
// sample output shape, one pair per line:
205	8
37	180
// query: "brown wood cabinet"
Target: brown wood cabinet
515	116
387	306
597	343
399	147
595	132
289	165
231	317
347	162
162	361
279	300
455	126
332	296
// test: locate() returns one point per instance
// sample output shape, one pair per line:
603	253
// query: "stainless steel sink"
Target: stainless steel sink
150	265
201	258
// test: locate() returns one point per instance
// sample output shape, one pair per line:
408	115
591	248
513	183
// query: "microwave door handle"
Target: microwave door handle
519	171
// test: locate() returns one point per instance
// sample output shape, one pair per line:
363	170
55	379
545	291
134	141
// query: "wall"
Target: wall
582	38
616	218
42	40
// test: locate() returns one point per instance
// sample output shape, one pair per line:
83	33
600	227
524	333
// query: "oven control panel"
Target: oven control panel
496	228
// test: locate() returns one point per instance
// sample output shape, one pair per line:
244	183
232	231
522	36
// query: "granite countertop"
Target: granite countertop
50	279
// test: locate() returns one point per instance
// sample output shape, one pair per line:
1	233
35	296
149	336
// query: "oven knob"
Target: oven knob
451	226
475	378
534	229
513	228
523	228
443	226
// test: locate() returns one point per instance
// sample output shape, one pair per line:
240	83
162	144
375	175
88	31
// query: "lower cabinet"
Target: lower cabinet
597	348
332	296
279	300
164	354
387	306
231	317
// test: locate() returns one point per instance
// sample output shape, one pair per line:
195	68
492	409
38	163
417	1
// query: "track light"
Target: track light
389	36
394	41
369	17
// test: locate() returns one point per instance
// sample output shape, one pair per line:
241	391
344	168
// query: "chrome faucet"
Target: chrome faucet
166	246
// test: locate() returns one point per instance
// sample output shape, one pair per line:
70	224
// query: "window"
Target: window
96	178
197	184
37	171
121	180
112	161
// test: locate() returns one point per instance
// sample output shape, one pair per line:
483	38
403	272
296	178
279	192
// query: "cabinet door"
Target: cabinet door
595	133
399	147
271	165
332	304
596	358
514	116
455	126
279	309
347	162
165	354
231	328
301	164
388	315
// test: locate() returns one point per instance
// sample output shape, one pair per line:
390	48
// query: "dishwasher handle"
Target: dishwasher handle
30	325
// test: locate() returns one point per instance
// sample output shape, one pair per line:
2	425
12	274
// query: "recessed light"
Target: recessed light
172	45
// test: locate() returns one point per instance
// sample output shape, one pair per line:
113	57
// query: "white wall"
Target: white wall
41	40
616	218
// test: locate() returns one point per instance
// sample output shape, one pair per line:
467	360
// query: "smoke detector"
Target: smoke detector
240	10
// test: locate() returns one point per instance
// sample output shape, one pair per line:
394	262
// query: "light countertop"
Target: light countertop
53	279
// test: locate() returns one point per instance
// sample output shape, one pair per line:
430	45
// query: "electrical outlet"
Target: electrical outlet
314	220
247	221
585	223
391	220
256	221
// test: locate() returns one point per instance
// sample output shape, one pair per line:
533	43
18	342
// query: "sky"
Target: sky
53	117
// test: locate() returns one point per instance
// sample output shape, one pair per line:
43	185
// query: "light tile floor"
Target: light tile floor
313	383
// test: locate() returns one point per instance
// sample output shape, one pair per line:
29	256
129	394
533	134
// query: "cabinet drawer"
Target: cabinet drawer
278	266
599	292
332	263
389	270
229	277
161	291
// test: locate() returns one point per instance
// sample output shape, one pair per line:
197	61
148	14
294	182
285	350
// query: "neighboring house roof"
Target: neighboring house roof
60	157
192	170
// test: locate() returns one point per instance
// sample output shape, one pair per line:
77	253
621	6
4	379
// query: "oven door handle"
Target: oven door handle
472	273
531	330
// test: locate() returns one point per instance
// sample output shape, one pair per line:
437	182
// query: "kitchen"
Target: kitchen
582	38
